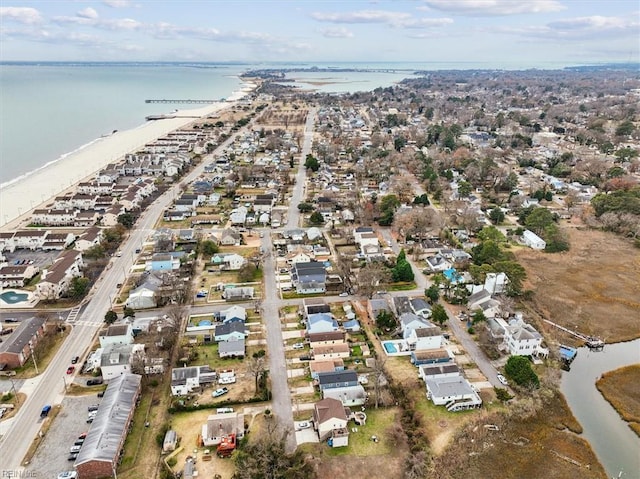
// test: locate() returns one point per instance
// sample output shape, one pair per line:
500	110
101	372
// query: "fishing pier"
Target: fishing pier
182	101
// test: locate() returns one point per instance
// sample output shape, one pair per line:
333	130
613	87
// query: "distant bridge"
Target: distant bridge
181	101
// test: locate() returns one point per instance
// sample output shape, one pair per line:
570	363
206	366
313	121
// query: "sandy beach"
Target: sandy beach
19	199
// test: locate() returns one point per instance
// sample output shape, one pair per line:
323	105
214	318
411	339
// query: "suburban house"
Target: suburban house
325	366
454	392
337	379
219	426
57	279
309	278
420	307
163	262
532	240
229	261
233	313
425	338
329	337
431	371
376	306
144	296
314	305
187	379
234	348
520	338
232	330
330	420
116	334
411	321
230	237
101	451
430	356
16	349
238	294
333	351
321	323
438	263
359	231
348	396
116	359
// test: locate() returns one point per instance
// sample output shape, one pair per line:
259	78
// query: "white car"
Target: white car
298	346
303	425
219	392
503	380
67	475
344	294
75	449
227	380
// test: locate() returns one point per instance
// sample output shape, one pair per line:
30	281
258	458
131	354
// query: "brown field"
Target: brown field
543	445
622	389
594	288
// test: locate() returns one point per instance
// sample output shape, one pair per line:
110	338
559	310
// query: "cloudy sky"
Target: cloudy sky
499	32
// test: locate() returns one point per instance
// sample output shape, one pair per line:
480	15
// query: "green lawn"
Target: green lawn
402	286
379	421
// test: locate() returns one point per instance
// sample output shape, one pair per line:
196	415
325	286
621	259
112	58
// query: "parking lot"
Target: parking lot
51	456
40	258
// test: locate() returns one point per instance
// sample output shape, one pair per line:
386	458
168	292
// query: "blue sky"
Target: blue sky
497	32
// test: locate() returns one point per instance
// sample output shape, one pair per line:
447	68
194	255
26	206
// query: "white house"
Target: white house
116	334
219	426
424	338
187	379
90	238
532	240
520	338
455	392
56	280
116	359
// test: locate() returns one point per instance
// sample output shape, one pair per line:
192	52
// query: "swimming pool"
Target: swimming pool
390	347
12	297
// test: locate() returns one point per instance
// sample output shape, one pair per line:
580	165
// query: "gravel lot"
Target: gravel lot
51	456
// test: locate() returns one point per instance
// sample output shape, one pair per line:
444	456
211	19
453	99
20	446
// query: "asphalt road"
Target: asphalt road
51	383
297	197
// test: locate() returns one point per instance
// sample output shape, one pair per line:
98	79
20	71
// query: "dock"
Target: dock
181	101
591	342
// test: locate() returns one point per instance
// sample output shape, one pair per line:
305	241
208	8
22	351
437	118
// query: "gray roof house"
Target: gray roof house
233	330
348	396
337	379
100	453
234	348
309	278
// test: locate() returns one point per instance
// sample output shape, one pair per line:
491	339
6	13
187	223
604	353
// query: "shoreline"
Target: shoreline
21	195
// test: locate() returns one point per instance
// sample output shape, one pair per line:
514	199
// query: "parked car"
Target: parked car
343	294
219	392
303	425
101	394
72	456
298	346
82	436
78	442
75	360
67	475
75	449
503	380
93	407
45	411
227	380
305	357
10	320
71	369
94	381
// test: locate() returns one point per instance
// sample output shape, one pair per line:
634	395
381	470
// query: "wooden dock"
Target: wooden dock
589	341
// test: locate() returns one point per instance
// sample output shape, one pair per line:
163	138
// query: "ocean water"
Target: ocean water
48	110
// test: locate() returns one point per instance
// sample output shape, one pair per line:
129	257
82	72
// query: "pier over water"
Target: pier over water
181	101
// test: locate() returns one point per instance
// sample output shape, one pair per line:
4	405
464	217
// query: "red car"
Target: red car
71	369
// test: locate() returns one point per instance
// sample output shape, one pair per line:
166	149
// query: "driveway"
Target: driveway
459	329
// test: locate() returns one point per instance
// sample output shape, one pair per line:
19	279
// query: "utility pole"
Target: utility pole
33	356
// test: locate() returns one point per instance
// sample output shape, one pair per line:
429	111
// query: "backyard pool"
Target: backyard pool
390	347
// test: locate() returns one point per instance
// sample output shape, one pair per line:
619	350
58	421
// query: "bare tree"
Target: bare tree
371	276
378	379
256	367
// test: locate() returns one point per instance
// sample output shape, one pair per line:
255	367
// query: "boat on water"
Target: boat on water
567	355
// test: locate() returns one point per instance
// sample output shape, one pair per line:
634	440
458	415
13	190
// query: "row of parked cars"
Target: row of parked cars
20	262
77	445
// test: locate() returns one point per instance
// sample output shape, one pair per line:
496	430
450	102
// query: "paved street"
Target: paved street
50	388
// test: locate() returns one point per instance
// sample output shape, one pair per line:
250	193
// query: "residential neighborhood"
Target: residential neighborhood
352	273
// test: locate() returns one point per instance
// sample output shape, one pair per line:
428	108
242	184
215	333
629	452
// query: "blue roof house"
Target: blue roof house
321	323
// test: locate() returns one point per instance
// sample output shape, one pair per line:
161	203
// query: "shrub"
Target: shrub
519	369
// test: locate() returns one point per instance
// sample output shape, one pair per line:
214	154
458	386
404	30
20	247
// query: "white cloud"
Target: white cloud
26	15
117	3
336	32
495	7
117	24
579	28
393	19
87	13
